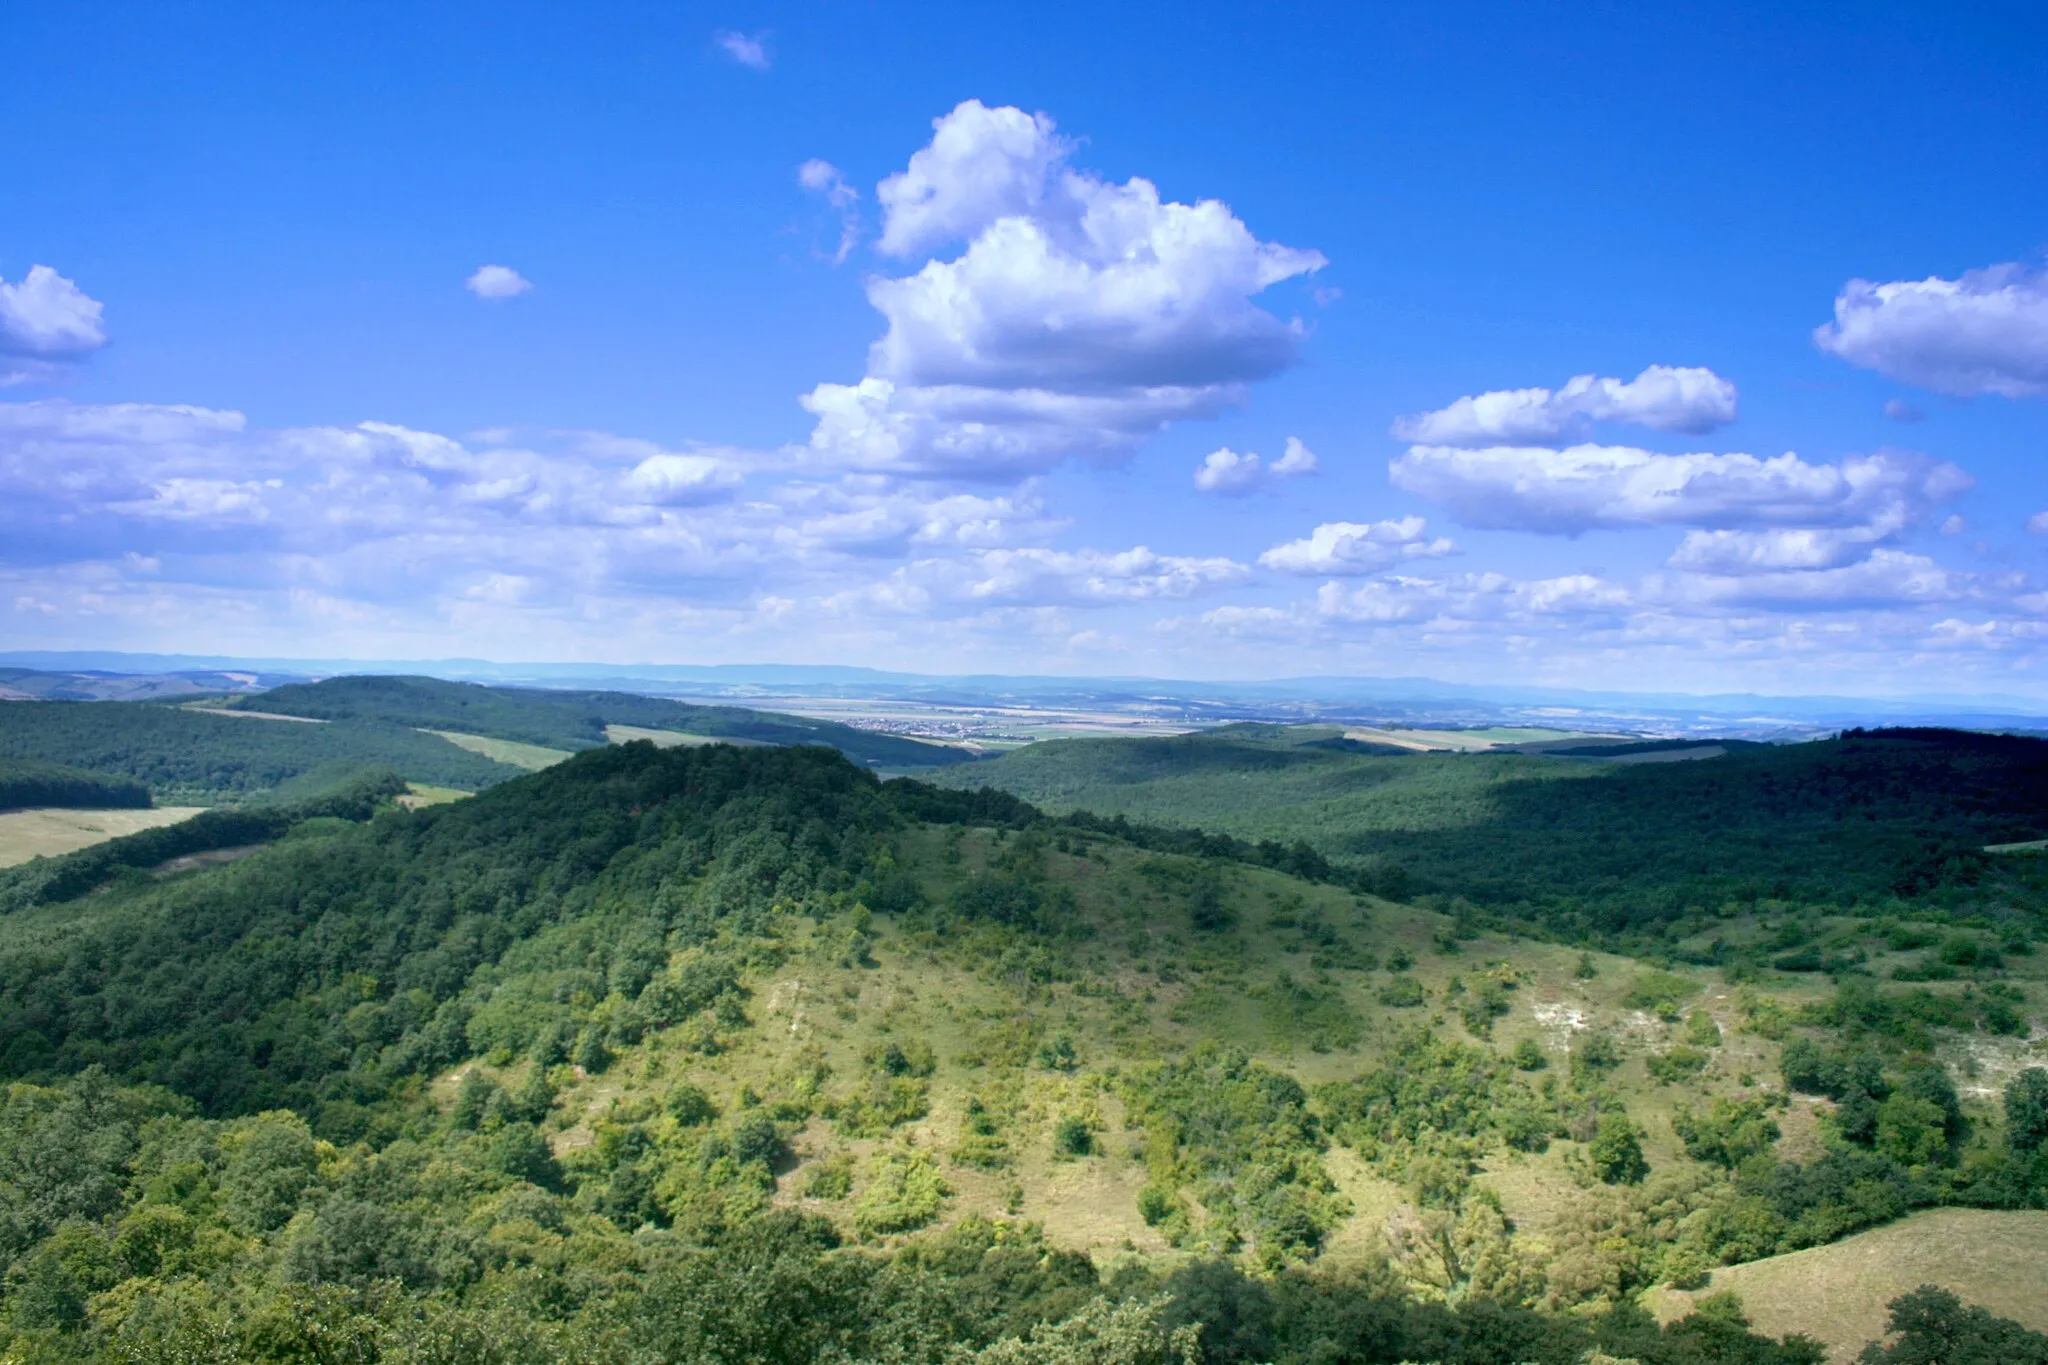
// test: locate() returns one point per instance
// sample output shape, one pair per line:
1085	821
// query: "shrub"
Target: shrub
1659	992
1677	1063
591	1053
690	1106
1402	992
1594	1053
1729	1133
981	1143
1059	1055
904	1192
756	1138
829	1179
1070	1137
1701	1030
1617	1151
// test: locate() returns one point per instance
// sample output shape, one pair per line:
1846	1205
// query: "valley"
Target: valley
594	1031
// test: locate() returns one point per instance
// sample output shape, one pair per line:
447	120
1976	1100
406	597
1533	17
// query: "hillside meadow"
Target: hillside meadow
536	1068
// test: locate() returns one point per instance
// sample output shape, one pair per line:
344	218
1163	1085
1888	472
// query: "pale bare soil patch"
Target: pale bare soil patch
1837	1293
48	831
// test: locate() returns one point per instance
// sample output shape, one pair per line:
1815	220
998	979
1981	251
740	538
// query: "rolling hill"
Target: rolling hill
191	757
577	720
661	1050
1625	851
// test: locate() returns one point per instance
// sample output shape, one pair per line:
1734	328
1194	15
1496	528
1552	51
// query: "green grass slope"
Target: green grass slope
1838	1293
1872	818
193	757
577	720
663	1047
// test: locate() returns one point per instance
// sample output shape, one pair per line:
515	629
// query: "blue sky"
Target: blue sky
938	338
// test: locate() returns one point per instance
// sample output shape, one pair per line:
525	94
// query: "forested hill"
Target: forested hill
577	720
1865	818
25	782
715	1054
194	757
235	990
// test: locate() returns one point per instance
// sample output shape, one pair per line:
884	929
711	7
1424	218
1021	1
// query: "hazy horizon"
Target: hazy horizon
1649	352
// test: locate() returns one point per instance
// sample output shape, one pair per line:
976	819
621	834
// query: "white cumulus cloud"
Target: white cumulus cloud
1686	399
1587	487
1747	552
1886	578
497	282
45	321
1227	472
1080	317
1039	577
1490	597
1349	547
1983	333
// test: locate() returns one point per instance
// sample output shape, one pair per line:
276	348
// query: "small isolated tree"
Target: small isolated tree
591	1053
2026	1111
1617	1151
1931	1326
1070	1137
690	1106
472	1099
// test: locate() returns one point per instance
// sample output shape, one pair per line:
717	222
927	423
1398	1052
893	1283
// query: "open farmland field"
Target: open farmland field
26	834
532	757
671	739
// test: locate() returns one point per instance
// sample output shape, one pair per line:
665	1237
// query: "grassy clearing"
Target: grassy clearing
674	739
26	834
1150	989
418	794
1838	1293
532	757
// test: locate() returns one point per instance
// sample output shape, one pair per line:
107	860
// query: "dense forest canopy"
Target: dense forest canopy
25	782
1870	817
185	756
577	720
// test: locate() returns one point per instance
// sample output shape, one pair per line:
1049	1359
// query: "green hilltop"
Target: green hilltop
298	741
578	720
1639	854
725	1053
